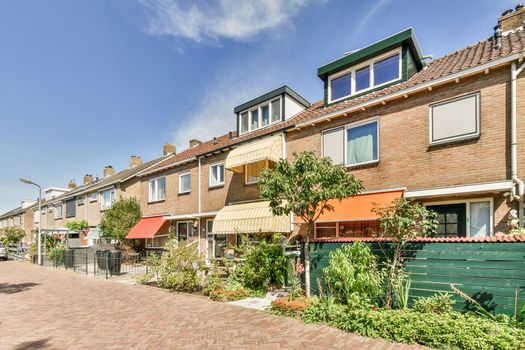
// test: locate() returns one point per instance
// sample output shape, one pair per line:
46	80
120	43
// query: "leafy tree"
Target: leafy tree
402	221
11	235
120	218
305	188
77	225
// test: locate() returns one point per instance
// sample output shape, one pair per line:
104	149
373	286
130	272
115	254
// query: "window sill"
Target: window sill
363	165
184	193
454	141
157	201
213	187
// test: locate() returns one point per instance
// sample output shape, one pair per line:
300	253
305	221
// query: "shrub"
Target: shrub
180	266
144	279
264	264
229	295
439	303
323	310
441	331
352	273
292	308
211	283
57	255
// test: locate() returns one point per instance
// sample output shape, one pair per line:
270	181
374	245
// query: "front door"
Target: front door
452	219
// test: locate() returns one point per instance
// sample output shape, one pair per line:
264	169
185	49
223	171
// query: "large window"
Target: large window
185	231
453	220
185	182
257	117
107	198
373	73
216	174
71	208
359	228
93	197
455	119
58	211
354	144
157	189
253	172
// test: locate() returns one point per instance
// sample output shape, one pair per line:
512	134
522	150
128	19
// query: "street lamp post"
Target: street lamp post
28	182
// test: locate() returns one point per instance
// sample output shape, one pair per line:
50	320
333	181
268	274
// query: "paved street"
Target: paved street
43	308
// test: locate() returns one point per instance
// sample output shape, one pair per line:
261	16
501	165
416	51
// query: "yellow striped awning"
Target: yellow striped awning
270	148
254	217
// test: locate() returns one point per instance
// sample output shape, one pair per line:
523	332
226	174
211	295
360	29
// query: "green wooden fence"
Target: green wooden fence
491	273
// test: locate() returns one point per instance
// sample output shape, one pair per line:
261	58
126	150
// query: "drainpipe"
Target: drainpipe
199	206
513	142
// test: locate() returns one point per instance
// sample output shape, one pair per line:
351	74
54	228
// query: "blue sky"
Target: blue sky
84	84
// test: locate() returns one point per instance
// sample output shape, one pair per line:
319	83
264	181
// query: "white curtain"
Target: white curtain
479	219
360	149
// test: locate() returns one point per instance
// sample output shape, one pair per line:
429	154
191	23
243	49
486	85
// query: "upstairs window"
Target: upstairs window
185	182
253	171
107	199
81	200
365	76
71	208
58	211
455	119
353	144
265	114
157	189
217	175
93	197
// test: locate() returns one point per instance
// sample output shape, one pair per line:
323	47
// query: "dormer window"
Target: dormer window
269	109
368	75
260	116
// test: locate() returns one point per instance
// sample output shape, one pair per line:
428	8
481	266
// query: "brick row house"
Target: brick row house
446	132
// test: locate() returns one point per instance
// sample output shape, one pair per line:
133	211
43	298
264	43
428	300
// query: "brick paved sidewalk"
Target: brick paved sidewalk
54	309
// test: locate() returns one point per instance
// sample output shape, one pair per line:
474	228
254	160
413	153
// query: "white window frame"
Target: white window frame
357	67
467	209
259	109
153	196
459	137
189	228
55	211
103	204
345	140
180	182
81	200
218	184
93	197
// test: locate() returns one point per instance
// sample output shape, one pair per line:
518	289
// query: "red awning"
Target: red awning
147	227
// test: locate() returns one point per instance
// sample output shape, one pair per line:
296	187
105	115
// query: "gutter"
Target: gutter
514	143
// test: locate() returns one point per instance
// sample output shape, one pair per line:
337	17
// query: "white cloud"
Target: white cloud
370	14
202	21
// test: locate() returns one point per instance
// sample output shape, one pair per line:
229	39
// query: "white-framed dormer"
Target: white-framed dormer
348	75
261	116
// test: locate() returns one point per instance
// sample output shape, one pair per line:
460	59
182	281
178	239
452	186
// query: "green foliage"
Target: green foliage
352	273
180	267
441	331
152	261
57	255
439	303
263	265
120	218
77	225
11	235
33	249
144	279
402	221
304	188
212	282
401	288
229	295
323	310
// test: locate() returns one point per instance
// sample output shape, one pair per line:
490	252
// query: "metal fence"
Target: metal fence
102	263
17	251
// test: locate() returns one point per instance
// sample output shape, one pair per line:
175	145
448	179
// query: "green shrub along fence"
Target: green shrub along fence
491	273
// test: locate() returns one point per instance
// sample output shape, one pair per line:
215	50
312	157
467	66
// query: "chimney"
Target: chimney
134	161
109	171
71	185
510	19
168	148
497	37
194	143
88	179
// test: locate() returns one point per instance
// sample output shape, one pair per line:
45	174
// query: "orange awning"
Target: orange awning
358	208
147	227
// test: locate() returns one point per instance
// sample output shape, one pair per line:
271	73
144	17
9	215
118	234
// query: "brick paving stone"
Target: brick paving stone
44	308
